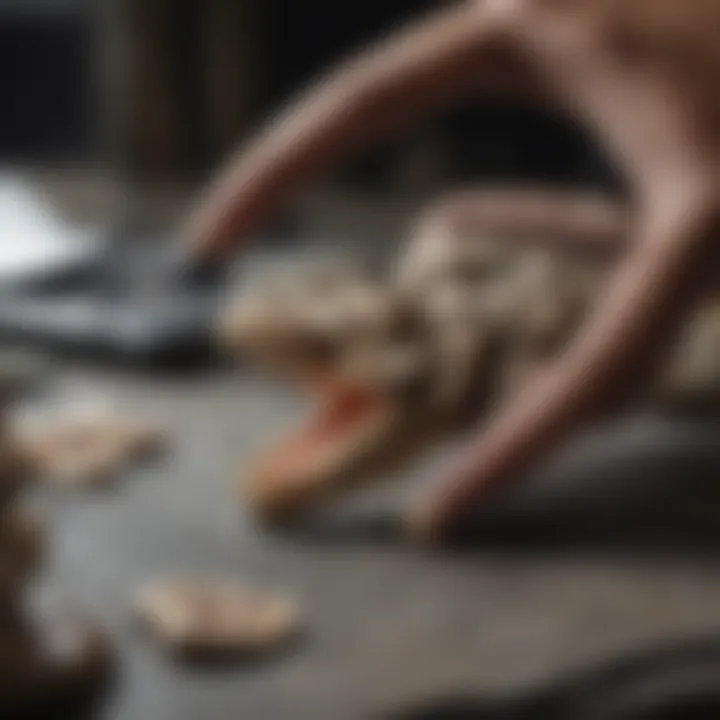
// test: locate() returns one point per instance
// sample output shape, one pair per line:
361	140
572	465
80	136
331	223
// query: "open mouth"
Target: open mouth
349	425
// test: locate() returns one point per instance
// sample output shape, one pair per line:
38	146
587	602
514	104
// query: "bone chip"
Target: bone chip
90	452
215	620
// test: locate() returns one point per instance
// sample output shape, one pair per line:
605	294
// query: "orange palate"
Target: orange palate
342	409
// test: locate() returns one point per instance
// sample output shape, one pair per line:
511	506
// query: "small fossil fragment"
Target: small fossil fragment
200	619
90	452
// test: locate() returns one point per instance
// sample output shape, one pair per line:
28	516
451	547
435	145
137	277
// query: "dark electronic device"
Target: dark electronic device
129	303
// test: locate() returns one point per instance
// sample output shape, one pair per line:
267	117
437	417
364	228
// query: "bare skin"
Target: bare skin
639	75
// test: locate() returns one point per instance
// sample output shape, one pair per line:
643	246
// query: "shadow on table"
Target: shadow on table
651	487
671	682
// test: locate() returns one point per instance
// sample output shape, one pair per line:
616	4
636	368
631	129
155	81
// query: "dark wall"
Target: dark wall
46	81
478	142
308	36
47	64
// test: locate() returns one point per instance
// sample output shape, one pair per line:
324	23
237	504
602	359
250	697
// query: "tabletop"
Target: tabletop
611	548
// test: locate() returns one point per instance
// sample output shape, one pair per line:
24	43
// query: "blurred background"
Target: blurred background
157	92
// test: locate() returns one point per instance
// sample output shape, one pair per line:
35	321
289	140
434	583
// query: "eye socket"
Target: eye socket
321	348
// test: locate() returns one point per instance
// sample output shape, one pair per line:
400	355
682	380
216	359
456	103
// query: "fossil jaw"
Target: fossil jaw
360	355
389	365
392	366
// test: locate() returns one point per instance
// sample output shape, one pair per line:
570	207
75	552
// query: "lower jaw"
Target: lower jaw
356	437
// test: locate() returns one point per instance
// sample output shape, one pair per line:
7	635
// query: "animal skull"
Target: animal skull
394	364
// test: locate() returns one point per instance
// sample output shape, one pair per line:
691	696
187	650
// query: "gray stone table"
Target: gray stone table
610	549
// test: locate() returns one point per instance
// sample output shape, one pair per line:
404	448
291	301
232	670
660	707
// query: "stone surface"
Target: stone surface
610	549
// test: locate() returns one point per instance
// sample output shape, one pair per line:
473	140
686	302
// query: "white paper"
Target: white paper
33	239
